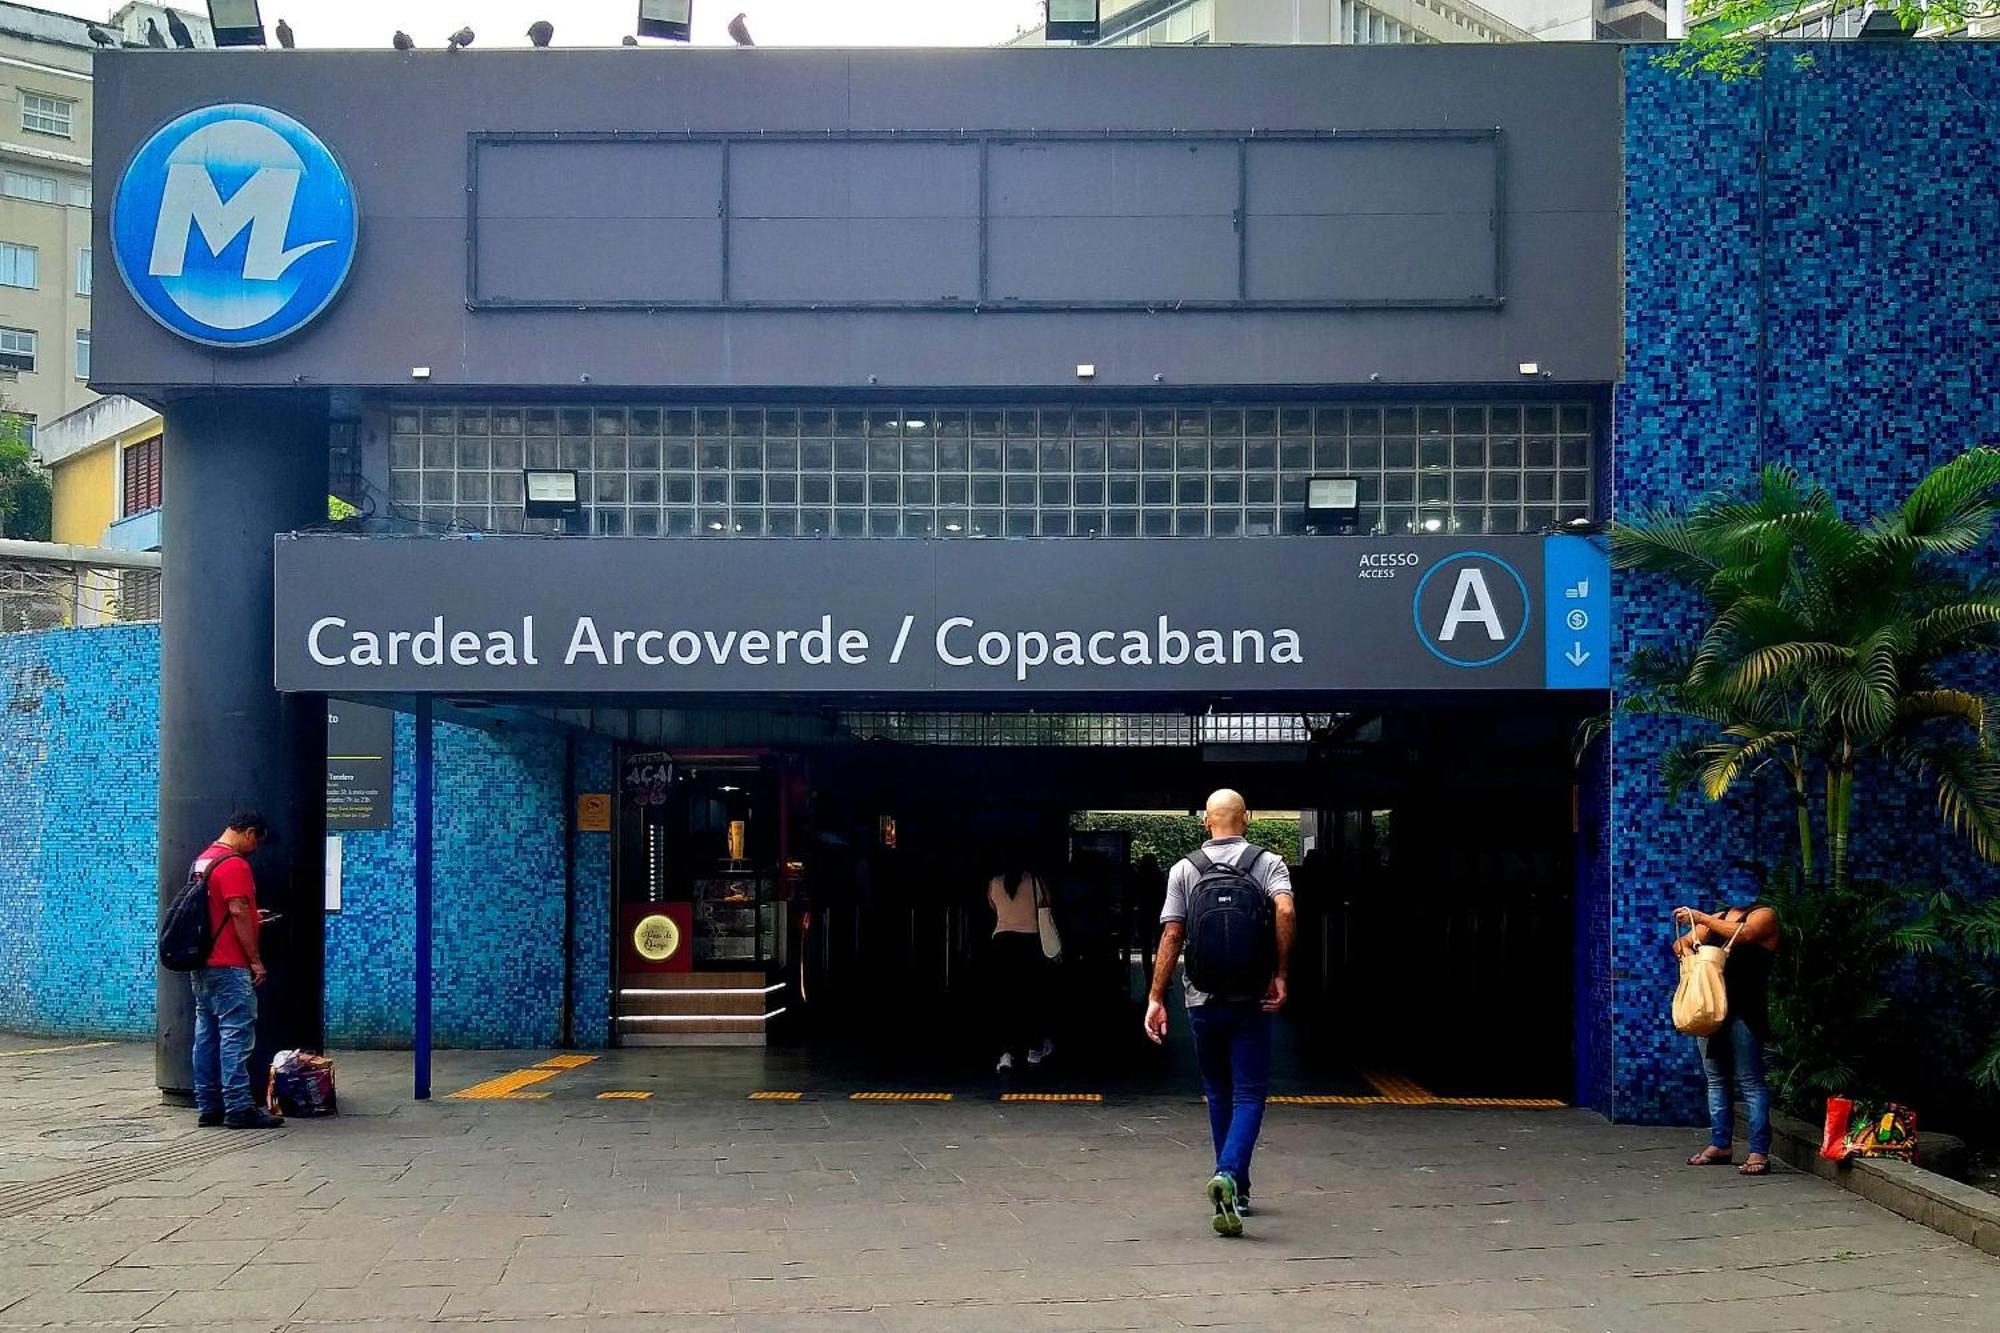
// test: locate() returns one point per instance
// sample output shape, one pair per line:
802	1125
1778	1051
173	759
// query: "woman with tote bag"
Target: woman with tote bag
1732	1056
1019	899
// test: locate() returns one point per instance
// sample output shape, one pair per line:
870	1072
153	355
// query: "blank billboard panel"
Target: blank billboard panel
1112	221
1387	219
598	221
846	221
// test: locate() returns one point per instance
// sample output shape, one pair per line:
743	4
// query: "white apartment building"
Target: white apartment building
46	266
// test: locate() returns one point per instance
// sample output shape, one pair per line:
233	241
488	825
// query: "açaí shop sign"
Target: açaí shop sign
524	615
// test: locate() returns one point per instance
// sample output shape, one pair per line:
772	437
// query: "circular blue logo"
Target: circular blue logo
1476	614
234	225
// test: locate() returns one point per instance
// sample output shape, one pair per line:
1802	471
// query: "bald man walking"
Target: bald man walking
1230	904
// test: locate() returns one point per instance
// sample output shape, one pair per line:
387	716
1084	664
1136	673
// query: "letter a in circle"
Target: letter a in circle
1471	600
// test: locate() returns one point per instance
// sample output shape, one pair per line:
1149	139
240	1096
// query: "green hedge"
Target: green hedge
1170	837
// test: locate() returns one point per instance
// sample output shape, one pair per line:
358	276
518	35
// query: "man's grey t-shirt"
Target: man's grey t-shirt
1270	872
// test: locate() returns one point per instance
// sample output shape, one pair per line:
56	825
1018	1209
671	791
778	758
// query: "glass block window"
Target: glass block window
928	470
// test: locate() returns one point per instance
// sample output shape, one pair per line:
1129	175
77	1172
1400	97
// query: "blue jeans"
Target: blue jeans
1733	1054
1232	1044
225	1028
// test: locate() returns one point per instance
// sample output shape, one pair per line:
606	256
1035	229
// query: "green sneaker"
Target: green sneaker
1222	1193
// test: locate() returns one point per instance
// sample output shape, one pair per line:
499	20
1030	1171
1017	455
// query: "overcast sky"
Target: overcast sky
603	22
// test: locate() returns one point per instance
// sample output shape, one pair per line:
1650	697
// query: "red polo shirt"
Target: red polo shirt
230	879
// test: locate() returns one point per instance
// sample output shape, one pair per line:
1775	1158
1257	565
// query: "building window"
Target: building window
20	265
142	478
76	195
18	425
24	185
83	272
923	469
83	354
17	350
138	594
48	115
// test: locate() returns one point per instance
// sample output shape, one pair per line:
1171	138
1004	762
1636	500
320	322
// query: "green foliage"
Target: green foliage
1827	643
338	509
1730	39
1885	991
1168	837
26	502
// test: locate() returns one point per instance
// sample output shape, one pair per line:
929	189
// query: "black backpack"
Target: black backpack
186	940
1232	932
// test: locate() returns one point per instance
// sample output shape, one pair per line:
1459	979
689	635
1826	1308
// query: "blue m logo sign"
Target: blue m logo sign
234	226
262	204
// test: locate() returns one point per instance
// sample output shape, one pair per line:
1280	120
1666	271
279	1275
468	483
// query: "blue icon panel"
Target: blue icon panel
1576	593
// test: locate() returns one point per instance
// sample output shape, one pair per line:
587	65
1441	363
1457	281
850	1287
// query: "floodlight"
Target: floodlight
1071	21
236	22
1884	23
670	19
1333	504
551	493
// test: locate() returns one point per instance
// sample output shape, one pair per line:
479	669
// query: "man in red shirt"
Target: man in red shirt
225	991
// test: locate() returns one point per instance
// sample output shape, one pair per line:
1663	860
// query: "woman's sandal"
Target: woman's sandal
1762	1168
1703	1158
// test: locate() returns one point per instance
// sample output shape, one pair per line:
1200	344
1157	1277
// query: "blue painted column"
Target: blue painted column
421	1045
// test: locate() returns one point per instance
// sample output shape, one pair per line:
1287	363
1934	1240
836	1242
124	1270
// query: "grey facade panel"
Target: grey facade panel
854	221
599	221
1113	221
1373	220
402	125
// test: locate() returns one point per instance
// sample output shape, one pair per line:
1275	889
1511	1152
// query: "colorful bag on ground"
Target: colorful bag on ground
1868	1129
301	1085
1701	1002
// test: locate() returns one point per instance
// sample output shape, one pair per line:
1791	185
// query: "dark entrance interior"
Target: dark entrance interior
1434	891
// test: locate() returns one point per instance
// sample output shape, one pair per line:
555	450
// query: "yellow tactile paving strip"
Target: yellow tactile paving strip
56	1050
1051	1096
509	1087
1397	1089
624	1096
777	1096
900	1097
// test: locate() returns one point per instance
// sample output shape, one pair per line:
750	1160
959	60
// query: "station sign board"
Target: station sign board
579	616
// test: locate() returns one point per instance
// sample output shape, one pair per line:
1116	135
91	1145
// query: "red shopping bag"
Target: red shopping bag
1868	1129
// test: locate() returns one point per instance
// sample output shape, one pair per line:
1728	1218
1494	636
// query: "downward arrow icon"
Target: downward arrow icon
1576	656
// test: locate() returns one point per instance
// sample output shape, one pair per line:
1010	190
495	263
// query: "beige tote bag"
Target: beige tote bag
1045	924
1701	1003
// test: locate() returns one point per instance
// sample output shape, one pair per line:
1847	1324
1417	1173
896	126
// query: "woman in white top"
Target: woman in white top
1020	997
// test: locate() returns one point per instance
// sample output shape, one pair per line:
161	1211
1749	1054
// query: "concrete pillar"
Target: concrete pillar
238	470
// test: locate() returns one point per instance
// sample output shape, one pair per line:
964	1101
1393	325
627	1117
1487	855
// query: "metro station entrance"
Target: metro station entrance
826	749
828	901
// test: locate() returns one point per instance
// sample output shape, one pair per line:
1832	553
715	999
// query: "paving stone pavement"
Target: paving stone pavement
701	1209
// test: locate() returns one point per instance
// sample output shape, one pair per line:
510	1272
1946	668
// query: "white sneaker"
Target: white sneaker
1006	1065
1042	1052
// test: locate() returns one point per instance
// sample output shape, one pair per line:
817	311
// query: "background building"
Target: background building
47	269
1369	22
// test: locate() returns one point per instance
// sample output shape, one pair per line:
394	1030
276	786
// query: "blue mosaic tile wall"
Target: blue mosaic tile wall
79	806
79	809
498	886
1880	298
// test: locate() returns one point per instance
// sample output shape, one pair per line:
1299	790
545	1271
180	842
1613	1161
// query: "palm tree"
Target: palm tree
1828	643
